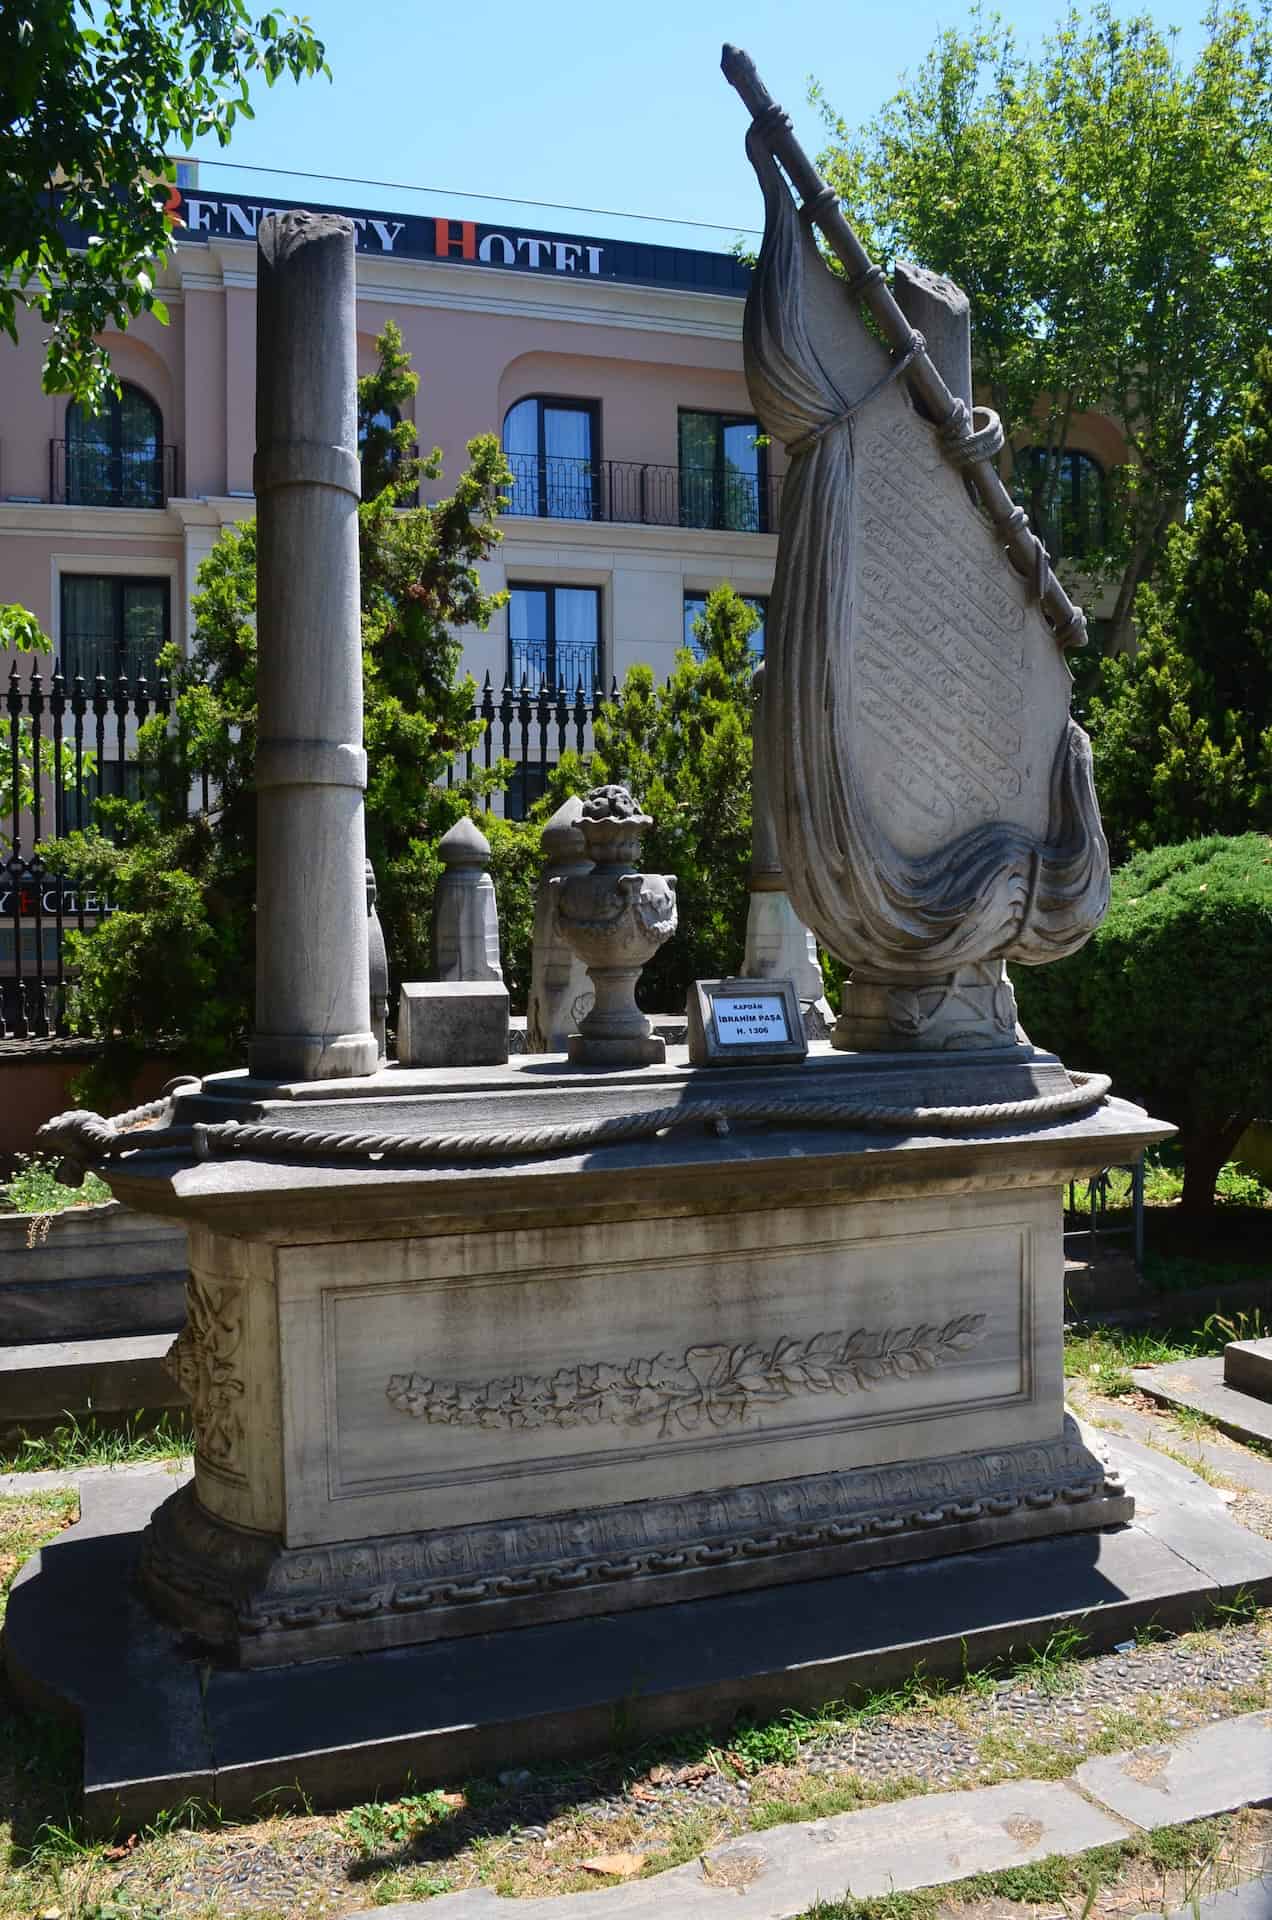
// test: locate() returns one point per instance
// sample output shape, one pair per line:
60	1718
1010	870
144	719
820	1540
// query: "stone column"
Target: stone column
313	1001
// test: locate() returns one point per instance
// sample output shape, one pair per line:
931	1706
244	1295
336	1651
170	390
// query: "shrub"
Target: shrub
1170	996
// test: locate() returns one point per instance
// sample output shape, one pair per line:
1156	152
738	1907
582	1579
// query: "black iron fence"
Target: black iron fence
82	474
562	487
72	740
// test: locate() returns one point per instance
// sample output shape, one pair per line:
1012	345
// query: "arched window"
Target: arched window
1065	499
551	447
116	458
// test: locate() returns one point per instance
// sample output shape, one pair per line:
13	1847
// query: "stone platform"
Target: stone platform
547	1372
1204	1385
162	1722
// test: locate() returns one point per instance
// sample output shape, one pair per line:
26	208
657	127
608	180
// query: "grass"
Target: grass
1053	1667
27	1520
1104	1356
93	1443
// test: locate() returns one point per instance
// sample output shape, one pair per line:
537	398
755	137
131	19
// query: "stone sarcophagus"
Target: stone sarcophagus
438	1400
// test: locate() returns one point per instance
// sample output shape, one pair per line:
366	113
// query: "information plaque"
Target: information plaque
739	1022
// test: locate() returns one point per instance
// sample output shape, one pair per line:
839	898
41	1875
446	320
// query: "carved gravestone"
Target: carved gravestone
933	799
465	913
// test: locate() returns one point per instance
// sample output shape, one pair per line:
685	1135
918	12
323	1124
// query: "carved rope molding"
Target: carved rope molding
719	1384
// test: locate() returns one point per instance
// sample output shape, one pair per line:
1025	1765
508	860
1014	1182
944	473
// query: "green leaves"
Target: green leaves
1106	208
1169	996
1182	730
94	106
22	632
176	962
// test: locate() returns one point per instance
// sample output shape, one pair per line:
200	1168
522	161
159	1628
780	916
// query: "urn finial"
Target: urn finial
615	918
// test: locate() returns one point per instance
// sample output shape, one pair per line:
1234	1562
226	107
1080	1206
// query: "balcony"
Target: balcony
636	493
87	476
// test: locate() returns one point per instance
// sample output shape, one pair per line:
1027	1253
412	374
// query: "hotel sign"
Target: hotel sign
202	216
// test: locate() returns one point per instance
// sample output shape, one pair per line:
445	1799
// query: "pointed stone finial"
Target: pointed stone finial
561	837
465	914
465	845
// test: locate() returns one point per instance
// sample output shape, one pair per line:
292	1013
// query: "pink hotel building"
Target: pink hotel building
612	370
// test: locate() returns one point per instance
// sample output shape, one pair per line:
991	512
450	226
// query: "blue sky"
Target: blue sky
607	107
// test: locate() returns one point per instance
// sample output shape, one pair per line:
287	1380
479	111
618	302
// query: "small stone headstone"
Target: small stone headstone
465	914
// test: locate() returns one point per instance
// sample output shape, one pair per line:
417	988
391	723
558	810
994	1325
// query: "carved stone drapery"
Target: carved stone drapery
933	800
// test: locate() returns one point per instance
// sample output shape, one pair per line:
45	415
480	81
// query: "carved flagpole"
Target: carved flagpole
819	204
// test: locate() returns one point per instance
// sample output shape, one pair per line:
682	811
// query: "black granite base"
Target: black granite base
161	1723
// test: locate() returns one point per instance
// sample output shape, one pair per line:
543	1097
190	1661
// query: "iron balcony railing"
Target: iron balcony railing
639	493
81	475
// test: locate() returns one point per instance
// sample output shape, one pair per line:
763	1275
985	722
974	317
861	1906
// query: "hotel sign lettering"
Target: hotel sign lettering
210	216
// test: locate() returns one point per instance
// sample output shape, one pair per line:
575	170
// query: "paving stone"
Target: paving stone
1247	1366
1253	1901
71	1479
779	1874
1199	1386
1211	1770
46	1379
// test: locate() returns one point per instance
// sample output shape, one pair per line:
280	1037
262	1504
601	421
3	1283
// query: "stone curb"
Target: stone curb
71	1479
1198	1386
923	1842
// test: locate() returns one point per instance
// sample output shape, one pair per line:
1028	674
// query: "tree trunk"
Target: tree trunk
1145	550
1204	1157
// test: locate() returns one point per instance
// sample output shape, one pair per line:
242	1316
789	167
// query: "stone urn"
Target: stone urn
615	918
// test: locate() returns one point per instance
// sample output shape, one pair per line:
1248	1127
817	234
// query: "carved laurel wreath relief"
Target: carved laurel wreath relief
720	1385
